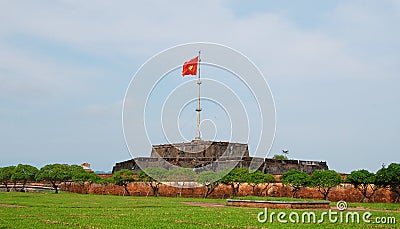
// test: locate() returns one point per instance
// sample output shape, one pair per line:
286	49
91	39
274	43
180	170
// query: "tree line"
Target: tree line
54	174
366	182
322	180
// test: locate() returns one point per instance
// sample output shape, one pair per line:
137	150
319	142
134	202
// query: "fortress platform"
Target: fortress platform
200	154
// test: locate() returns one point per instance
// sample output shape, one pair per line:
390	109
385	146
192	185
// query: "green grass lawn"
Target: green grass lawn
68	210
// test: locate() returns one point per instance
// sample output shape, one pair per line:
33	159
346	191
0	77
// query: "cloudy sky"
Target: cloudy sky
332	66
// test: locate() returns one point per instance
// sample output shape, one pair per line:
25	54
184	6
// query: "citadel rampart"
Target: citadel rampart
214	155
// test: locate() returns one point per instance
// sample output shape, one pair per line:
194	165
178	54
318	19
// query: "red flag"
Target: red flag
190	67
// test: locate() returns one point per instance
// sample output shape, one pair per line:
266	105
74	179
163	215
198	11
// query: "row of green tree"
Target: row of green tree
55	174
323	180
15	178
154	177
364	181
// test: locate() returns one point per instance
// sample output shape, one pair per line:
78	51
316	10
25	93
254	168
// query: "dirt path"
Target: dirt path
11	206
217	205
204	204
366	209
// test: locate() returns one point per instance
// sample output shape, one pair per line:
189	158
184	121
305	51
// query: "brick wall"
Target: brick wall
343	192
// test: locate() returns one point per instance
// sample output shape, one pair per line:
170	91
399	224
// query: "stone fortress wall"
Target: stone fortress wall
217	155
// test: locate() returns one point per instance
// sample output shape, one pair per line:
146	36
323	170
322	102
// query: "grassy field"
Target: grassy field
68	210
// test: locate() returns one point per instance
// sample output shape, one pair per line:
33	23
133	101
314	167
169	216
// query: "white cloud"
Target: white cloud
131	29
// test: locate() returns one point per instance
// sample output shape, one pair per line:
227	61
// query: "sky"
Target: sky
332	67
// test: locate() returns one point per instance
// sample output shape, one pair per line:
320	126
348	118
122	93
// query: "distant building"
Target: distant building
86	167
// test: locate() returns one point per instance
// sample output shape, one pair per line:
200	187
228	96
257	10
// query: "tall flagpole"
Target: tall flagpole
198	134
